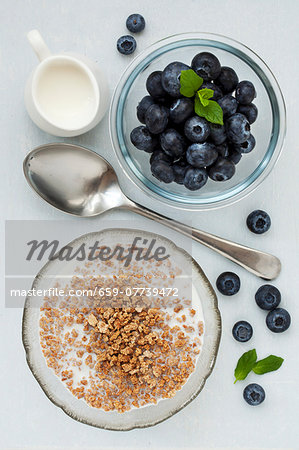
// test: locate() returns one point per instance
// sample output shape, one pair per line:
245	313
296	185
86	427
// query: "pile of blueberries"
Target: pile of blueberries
185	148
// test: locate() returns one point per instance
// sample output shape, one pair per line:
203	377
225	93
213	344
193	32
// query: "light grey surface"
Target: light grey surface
218	418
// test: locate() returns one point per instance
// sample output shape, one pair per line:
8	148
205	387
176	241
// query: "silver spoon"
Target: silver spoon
80	182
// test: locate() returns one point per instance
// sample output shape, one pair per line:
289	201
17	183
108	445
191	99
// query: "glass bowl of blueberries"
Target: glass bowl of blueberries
197	120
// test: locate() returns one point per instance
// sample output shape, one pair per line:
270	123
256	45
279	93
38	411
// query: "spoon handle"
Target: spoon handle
259	263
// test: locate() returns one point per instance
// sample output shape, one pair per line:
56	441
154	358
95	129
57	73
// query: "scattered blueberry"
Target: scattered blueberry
195	178
201	155
197	129
228	283
217	133
234	156
135	23
126	45
154	85
171	78
254	394
249	111
179	170
162	171
258	221
217	91
227	80
159	155
222	170
247	146
173	143
206	65
229	105
156	118
245	92
142	139
181	109
278	320
142	107
242	331
268	297
237	128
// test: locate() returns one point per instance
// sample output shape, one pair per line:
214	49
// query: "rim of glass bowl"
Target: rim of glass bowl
278	119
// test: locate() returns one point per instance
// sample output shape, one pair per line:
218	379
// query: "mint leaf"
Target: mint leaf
204	95
268	364
212	112
245	365
190	82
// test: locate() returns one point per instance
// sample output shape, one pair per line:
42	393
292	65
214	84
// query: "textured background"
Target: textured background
218	418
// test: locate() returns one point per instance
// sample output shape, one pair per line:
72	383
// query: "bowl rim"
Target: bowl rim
213	305
278	118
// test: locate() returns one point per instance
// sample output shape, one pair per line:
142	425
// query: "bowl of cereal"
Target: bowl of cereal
120	340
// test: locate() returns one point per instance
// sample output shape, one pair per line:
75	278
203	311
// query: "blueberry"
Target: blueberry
217	91
181	109
254	394
227	80
162	171
245	92
179	170
249	111
267	297
217	133
206	65
223	150
242	331
142	107
228	104
195	178
135	23
258	221
173	143
159	155
278	320
247	146
234	156
228	283
171	78
197	129
201	155
142	139
154	85
156	118
222	170
237	128
126	45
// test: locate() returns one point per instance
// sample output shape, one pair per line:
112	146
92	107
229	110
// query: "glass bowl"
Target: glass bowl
269	129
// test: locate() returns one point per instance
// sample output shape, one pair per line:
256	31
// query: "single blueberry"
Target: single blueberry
162	171
135	23
247	146
234	156
181	109
195	178
142	107
222	170
217	133
156	118
196	129
237	128
228	104
227	80
245	92
171	78
154	85
179	169
223	150
173	143
142	139
258	221
278	320
159	155
242	331
201	155
217	91
267	297
126	45
249	111
206	65
228	283
254	394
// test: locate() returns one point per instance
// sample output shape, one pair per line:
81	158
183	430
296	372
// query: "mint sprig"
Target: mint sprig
190	82
211	111
248	362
